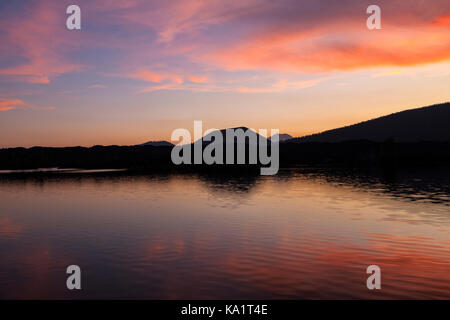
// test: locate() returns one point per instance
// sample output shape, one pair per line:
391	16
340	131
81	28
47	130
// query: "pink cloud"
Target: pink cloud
328	50
208	36
197	79
98	86
37	36
6	105
169	86
187	17
284	85
164	81
442	21
289	36
39	80
156	77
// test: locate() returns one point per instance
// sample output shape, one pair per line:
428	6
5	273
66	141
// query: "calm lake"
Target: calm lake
303	234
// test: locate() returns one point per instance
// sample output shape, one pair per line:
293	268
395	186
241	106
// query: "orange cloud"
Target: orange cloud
442	21
200	79
6	108
389	73
165	81
285	85
6	105
147	76
11	104
344	48
156	88
256	90
39	80
157	78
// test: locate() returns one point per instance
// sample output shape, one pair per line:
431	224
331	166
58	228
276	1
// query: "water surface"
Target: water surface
299	235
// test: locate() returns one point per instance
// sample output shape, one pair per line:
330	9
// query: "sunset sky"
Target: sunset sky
139	69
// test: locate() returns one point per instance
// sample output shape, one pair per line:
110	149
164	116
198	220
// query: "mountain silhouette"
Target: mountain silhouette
208	138
430	123
282	137
157	144
417	138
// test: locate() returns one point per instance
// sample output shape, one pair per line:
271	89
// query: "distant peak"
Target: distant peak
282	136
157	144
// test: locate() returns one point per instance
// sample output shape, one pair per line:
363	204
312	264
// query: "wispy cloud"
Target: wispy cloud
6	105
197	79
324	51
157	77
36	36
169	81
169	86
98	86
388	73
201	37
284	85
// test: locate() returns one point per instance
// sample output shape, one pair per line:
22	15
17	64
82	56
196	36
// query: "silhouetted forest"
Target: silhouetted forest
355	154
81	157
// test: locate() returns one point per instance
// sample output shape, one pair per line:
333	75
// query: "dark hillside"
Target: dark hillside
424	124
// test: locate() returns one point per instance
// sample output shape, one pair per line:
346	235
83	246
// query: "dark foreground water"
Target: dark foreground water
297	235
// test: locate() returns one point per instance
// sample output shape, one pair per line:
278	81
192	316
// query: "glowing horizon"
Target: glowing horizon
139	69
